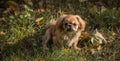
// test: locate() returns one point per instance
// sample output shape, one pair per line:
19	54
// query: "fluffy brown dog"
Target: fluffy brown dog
65	31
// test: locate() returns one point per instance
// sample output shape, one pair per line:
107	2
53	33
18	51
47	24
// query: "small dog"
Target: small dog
65	31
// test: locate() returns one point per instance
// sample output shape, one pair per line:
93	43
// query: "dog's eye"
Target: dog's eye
66	23
74	24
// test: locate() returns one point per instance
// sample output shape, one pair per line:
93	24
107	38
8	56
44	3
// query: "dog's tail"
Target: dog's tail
51	23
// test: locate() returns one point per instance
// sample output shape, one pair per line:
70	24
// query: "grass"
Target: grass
20	36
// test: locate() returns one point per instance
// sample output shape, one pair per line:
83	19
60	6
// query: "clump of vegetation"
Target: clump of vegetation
22	25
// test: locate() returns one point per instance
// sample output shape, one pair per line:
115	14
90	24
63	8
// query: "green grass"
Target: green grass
20	36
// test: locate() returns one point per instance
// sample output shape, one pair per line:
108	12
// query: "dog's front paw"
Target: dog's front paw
77	48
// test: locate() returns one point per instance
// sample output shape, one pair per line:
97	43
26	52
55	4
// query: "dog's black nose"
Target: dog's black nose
69	28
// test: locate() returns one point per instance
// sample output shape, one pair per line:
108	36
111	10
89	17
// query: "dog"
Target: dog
65	31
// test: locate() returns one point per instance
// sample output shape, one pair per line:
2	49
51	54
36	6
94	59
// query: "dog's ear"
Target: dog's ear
60	21
81	22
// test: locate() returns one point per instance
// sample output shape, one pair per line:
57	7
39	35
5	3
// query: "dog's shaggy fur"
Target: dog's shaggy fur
65	31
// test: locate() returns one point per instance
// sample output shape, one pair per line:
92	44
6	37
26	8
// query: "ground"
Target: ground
22	25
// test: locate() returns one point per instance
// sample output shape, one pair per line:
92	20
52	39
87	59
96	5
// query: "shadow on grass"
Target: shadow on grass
27	47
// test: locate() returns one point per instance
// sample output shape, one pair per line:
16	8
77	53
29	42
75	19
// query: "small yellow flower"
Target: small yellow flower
65	50
81	37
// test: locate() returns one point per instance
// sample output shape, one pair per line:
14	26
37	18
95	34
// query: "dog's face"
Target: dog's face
71	23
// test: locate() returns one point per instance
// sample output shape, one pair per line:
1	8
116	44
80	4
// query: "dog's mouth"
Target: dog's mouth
69	30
